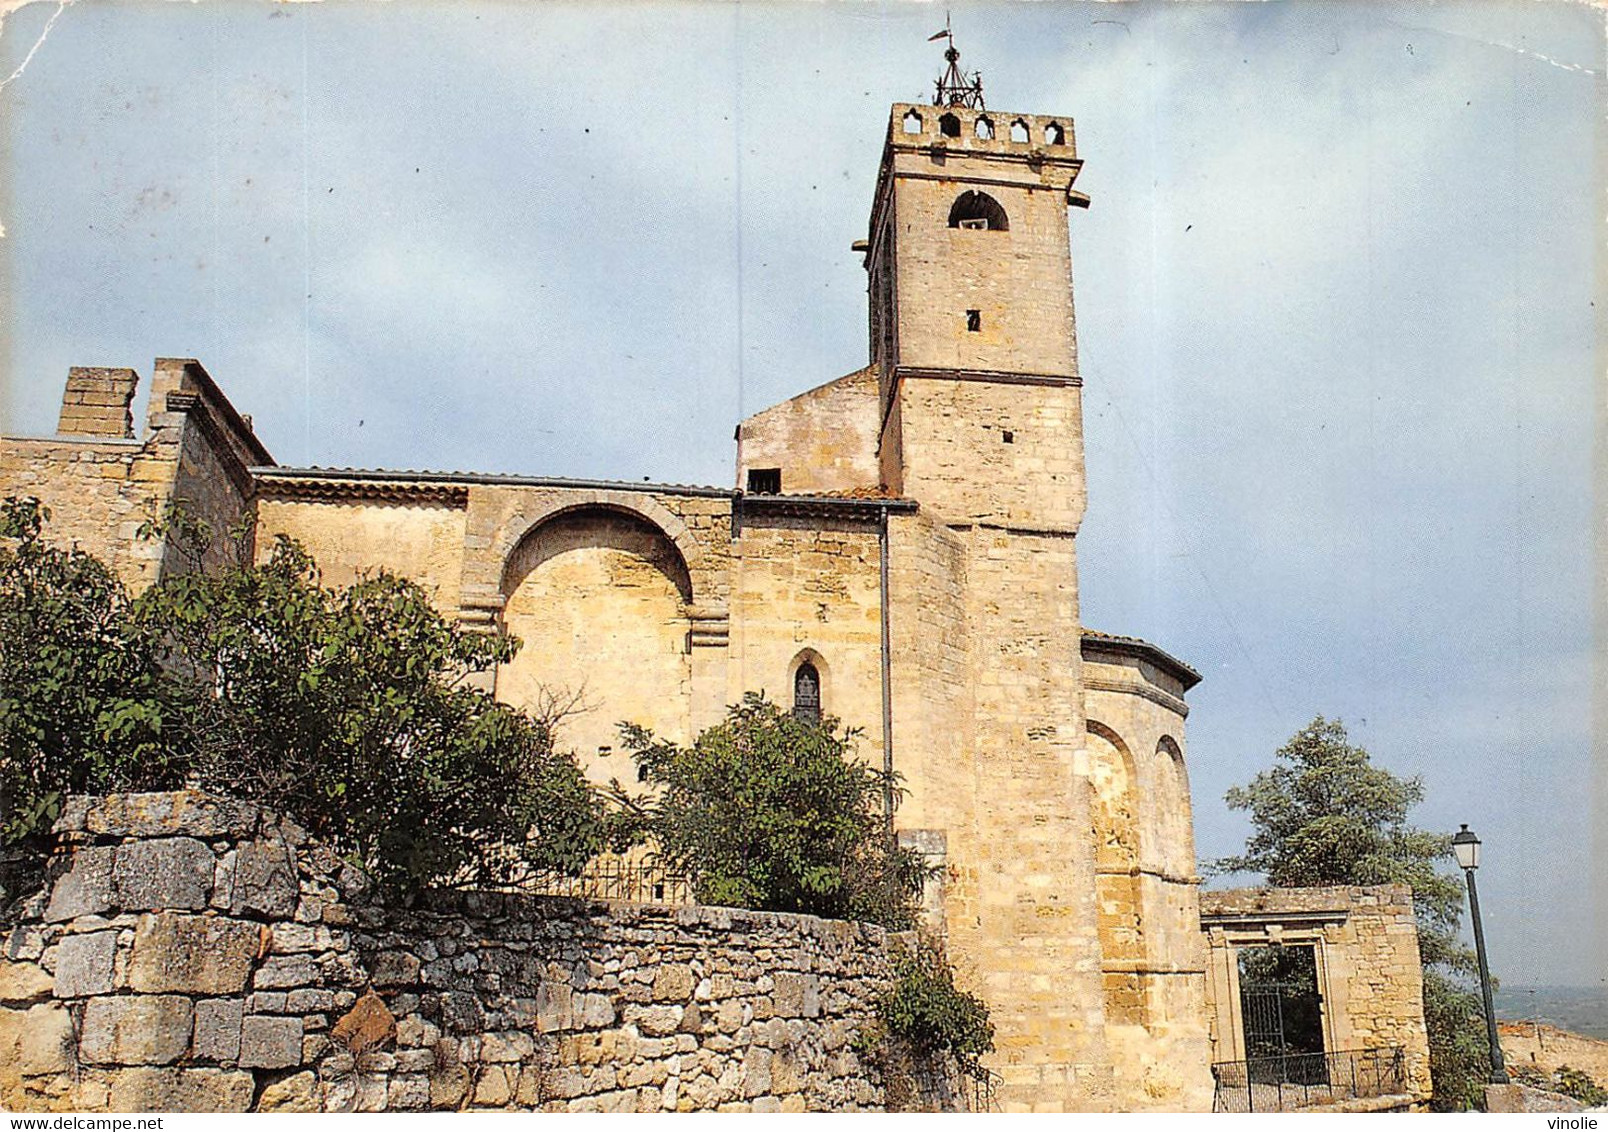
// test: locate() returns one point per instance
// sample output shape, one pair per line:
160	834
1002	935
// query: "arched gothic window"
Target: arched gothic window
807	693
949	126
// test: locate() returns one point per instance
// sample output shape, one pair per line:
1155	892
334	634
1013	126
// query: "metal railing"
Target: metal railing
980	1093
636	882
1292	1081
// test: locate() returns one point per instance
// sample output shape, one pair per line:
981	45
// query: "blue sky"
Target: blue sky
1335	302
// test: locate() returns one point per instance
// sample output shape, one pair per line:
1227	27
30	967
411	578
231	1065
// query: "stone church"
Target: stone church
899	551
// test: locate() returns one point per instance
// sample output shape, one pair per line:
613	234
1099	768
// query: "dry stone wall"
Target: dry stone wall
196	953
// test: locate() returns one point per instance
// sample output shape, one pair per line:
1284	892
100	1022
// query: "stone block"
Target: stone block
165	873
408	1093
85	888
673	982
22	983
309	1001
181	1090
178	811
135	1030
449	1080
217	1029
592	1011
461	1013
415	1060
368	1025
38	1040
84	964
282	971
201	955
797	996
296	1093
265	880
494	1087
756	1072
659	1021
270	1042
510	1046
394	969
24	942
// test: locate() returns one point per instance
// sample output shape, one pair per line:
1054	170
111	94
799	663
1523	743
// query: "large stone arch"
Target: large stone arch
600	595
521	526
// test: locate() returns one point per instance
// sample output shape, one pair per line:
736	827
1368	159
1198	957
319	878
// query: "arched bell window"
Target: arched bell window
977	210
807	693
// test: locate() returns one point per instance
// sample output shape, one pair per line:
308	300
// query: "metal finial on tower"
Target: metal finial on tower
956	87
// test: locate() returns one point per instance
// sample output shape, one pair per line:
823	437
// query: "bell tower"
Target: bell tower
971	313
981	424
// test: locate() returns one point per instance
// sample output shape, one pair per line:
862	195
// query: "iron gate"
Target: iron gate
1274	1058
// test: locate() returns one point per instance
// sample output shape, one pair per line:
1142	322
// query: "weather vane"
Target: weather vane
956	88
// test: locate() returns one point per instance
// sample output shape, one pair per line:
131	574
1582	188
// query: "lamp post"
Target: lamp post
1467	848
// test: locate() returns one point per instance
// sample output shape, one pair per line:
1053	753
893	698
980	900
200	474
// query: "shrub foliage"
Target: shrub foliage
925	1009
347	708
768	811
84	705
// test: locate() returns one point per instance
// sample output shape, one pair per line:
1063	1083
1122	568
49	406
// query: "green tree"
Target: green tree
350	709
1324	814
773	812
83	702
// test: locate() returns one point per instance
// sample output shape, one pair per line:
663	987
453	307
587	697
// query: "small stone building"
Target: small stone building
899	551
1370	1049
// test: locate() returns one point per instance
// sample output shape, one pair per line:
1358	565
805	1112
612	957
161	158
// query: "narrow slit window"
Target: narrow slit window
807	693
764	481
974	321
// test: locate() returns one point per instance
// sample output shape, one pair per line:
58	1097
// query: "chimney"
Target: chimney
97	402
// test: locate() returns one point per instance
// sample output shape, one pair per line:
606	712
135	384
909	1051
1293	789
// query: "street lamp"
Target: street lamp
1467	848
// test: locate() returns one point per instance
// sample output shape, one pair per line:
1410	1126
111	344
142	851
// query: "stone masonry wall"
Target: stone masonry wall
197	953
823	440
100	484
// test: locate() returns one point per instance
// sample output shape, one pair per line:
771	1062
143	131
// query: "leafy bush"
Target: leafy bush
347	708
773	812
1580	1085
84	704
930	1014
